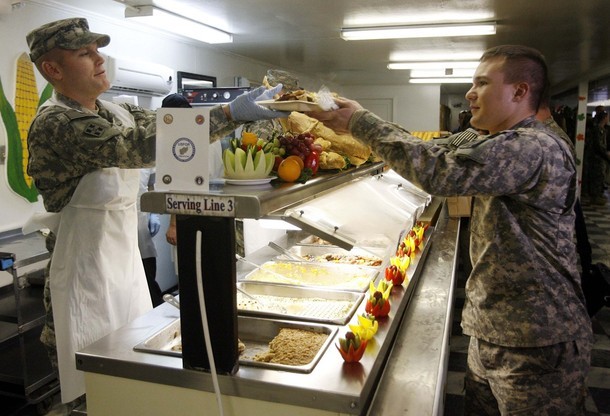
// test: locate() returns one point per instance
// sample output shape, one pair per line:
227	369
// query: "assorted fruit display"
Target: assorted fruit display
317	146
351	347
378	306
378	303
246	159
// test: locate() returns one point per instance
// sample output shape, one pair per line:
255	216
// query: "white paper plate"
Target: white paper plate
250	181
291	105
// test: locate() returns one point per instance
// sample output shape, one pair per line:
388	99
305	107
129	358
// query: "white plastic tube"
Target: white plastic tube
204	321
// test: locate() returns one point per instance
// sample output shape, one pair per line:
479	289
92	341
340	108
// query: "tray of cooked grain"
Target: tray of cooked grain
299	303
272	344
333	276
333	254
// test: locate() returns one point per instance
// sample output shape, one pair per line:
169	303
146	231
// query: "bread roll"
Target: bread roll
332	160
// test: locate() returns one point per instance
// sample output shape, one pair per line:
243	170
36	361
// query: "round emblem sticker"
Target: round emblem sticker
184	149
199	119
168	119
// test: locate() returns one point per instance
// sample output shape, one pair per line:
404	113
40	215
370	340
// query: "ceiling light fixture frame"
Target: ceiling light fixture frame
177	24
419	31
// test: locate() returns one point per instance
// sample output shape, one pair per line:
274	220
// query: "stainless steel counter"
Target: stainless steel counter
410	382
414	379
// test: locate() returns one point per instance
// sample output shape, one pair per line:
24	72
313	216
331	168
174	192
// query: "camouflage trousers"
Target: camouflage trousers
526	381
47	337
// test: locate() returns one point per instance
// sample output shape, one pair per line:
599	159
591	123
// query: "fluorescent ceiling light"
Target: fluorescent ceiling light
381	18
436	55
434	65
419	31
446	80
436	73
177	24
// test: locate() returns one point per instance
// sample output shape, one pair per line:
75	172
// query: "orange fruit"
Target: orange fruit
298	159
248	138
289	170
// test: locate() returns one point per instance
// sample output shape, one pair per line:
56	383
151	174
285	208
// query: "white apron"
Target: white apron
97	278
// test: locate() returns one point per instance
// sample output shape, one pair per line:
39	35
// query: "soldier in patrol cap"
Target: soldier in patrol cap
65	34
84	155
530	332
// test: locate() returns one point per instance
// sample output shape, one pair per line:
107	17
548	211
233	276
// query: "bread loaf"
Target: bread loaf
343	144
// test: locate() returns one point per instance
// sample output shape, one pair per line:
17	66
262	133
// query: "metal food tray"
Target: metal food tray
255	333
324	312
375	243
333	269
315	250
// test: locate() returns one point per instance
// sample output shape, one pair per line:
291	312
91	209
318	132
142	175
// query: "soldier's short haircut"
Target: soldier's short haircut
523	63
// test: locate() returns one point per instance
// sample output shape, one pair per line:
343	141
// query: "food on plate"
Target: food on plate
301	95
342	144
293	347
246	158
351	347
313	274
298	147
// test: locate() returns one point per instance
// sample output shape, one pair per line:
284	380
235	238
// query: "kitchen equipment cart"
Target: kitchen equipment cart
121	380
25	369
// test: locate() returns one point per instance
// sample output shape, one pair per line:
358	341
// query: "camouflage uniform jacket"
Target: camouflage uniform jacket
524	289
64	145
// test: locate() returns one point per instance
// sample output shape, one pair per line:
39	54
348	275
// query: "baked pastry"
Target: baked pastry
343	144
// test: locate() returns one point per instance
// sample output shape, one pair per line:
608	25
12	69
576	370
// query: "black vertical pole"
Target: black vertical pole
218	277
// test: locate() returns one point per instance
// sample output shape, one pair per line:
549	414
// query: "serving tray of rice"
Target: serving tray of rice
298	303
272	344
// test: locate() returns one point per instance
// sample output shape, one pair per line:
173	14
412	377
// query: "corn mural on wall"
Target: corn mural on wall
17	122
26	104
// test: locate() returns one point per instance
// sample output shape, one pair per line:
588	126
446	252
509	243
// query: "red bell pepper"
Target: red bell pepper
351	347
312	161
395	275
377	306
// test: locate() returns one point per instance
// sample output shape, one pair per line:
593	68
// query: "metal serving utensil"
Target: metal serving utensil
171	300
281	276
285	252
264	304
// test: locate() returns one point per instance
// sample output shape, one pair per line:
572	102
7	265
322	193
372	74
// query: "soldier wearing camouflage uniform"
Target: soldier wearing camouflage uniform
85	155
530	333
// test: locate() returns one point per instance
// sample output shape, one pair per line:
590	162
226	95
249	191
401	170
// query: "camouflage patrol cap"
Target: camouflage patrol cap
289	81
66	34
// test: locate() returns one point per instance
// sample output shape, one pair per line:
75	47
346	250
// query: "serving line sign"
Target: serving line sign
206	205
